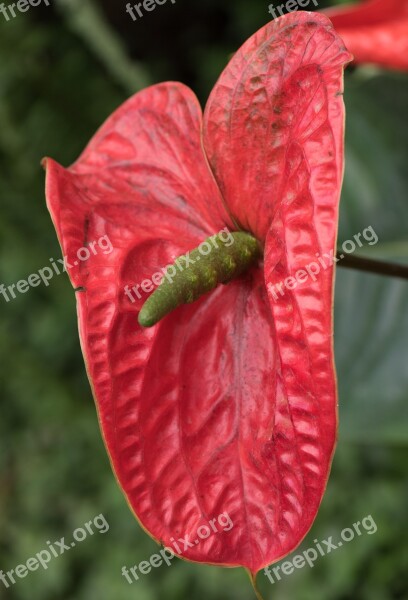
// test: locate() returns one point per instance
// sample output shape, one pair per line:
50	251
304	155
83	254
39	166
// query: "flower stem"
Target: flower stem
223	259
373	266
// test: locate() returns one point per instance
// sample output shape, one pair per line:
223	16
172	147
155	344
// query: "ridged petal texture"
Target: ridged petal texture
374	31
228	404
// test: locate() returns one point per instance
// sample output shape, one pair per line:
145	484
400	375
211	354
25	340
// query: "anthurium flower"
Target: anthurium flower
375	31
226	405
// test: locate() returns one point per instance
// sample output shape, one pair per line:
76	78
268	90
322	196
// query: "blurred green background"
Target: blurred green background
63	69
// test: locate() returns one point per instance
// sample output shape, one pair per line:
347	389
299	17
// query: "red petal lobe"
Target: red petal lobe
375	31
282	89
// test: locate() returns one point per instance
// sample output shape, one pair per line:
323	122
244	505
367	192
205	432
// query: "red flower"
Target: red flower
227	405
375	31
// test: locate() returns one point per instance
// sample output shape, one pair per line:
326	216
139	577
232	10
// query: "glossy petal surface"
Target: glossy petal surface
280	166
375	31
282	90
229	404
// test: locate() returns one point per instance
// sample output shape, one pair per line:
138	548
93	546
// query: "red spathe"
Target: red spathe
228	404
374	31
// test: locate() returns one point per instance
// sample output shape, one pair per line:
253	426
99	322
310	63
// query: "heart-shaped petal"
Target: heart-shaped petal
227	405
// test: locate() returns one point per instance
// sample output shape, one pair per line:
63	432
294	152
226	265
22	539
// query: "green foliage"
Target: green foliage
370	311
57	86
